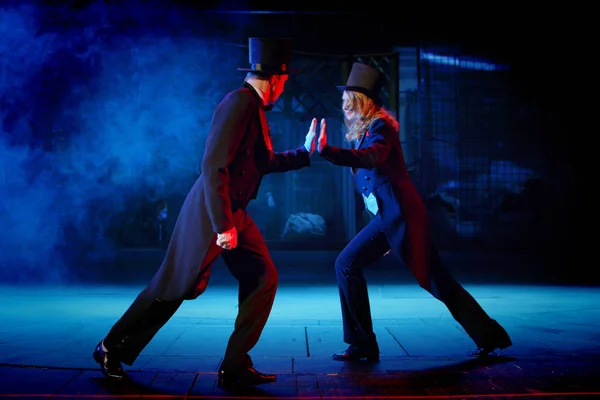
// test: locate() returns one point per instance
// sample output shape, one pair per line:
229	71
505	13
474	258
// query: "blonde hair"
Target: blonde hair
367	112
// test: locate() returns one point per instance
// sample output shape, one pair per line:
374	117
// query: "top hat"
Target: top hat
269	55
366	80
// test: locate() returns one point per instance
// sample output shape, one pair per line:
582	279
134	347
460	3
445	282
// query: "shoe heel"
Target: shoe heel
226	383
97	357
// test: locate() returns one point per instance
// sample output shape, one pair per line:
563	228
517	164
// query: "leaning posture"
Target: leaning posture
399	224
213	222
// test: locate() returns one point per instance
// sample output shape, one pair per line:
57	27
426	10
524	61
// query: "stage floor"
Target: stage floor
47	335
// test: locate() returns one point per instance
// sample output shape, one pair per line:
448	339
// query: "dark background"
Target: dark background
102	103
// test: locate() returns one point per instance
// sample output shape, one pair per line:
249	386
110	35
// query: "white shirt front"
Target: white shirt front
261	94
371	203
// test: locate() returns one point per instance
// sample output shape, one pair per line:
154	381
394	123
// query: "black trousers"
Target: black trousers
368	246
250	263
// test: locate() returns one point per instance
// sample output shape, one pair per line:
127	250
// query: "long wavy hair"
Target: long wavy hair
367	112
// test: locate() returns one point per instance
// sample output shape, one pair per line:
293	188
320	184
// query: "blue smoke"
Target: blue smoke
94	122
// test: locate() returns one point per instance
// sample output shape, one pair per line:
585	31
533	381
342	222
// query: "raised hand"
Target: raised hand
322	136
309	143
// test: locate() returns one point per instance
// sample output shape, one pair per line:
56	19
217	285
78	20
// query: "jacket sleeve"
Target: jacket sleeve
288	160
369	157
230	121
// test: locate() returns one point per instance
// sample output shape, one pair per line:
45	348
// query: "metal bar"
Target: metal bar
457	110
394	85
276	12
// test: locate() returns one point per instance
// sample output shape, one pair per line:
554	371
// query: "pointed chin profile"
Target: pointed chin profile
349	115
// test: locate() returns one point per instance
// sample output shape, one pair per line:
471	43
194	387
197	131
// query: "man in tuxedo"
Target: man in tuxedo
213	222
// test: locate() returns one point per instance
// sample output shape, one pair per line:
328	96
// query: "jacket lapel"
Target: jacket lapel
266	130
360	141
357	145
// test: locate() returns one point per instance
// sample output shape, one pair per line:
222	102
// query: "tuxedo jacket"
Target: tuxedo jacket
378	167
236	156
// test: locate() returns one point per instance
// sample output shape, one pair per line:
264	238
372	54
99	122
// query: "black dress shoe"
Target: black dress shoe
244	377
110	367
497	340
356	353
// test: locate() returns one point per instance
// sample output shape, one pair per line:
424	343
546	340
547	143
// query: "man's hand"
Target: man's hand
228	240
322	136
309	143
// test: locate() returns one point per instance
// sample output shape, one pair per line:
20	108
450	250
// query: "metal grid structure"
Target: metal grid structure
471	154
312	90
459	119
310	93
387	64
323	189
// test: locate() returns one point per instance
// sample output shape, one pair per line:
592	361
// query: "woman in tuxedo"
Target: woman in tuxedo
399	224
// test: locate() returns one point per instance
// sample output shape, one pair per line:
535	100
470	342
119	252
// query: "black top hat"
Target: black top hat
269	55
366	80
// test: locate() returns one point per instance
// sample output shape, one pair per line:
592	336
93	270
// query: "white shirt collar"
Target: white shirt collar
260	93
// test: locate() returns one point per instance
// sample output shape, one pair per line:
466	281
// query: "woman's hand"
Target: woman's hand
322	136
